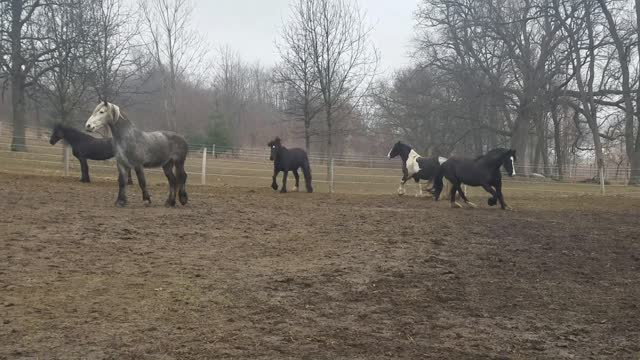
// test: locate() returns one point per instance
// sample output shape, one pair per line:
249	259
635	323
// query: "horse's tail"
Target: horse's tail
438	183
306	171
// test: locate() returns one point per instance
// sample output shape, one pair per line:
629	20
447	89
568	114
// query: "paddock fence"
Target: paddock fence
250	167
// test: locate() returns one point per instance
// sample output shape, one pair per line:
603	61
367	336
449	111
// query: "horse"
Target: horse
138	150
415	166
84	147
286	160
482	171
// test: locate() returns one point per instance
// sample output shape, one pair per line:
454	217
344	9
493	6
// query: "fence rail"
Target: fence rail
366	174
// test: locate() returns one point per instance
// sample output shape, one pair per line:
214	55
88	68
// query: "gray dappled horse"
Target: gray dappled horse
138	149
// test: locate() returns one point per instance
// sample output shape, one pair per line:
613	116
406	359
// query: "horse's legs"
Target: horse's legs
452	195
181	176
129	178
295	175
143	184
168	172
503	205
401	190
274	184
464	197
84	169
284	181
493	200
122	184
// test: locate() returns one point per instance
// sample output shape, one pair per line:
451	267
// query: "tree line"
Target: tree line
555	80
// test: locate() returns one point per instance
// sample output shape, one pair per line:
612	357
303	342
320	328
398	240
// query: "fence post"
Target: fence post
65	158
203	180
213	151
331	171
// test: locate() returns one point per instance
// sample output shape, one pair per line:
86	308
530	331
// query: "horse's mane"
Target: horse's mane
492	153
69	129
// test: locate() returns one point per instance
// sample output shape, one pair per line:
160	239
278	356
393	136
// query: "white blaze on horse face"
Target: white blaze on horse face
389	154
441	159
513	167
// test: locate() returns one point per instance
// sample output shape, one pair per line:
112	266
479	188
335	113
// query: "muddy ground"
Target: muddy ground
249	273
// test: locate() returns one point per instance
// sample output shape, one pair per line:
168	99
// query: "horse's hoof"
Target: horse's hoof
455	205
183	198
121	203
472	205
492	201
295	188
309	190
274	186
147	202
283	191
170	203
509	208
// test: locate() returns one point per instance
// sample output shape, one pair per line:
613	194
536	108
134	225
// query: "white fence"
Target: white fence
251	167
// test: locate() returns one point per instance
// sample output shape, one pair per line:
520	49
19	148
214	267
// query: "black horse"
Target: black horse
84	147
482	171
286	160
415	166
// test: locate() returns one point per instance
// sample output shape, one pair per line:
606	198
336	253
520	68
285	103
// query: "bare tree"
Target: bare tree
22	38
178	50
344	59
297	72
115	53
65	85
623	45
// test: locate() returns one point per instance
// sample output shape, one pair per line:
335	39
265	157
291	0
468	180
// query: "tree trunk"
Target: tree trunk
634	161
329	148
557	143
18	80
18	142
520	143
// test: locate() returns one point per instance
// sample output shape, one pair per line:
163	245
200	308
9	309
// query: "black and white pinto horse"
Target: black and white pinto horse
415	166
138	149
286	160
84	147
482	171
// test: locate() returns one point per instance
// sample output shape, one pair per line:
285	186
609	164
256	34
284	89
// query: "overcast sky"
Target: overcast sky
250	27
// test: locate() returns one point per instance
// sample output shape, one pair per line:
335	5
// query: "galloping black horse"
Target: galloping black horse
482	171
286	160
415	166
84	147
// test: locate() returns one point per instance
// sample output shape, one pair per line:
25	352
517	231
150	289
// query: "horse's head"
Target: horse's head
105	113
56	134
395	150
275	146
501	157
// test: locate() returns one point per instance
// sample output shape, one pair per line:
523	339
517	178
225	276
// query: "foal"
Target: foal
286	160
84	147
138	149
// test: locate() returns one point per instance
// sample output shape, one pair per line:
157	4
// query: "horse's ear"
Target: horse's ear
105	103
277	140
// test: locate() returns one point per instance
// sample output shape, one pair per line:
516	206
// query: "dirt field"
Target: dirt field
248	273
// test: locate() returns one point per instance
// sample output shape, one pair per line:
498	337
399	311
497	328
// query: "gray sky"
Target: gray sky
250	27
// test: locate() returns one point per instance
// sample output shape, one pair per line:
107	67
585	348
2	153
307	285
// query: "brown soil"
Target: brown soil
249	273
